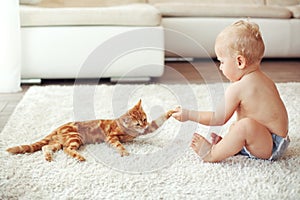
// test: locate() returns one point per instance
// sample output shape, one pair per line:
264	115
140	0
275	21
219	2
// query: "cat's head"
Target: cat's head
135	119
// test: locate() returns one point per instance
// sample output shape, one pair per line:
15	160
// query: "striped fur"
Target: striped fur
71	136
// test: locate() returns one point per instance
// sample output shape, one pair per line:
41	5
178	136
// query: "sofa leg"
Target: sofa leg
129	79
31	81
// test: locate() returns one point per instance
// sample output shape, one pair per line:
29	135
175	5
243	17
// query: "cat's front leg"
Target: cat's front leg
115	142
155	124
170	113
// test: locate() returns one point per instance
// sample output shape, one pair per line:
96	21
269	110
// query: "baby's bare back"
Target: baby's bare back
261	101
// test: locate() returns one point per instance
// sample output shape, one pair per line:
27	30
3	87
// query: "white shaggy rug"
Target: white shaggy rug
161	165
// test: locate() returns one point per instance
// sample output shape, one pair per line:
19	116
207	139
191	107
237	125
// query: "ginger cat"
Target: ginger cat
72	135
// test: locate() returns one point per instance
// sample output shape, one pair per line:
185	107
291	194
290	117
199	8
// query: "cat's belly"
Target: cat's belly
91	132
94	138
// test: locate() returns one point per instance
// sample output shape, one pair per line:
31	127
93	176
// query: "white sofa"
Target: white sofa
131	38
202	20
91	39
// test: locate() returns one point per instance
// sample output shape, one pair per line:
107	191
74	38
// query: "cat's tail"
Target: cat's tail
31	147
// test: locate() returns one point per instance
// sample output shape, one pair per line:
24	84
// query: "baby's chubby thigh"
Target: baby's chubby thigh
257	137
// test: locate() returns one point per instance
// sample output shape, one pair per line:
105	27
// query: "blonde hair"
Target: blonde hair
243	38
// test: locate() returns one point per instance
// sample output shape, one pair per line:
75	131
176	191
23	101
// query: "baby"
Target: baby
261	129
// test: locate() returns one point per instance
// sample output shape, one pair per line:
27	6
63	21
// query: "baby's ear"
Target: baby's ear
241	61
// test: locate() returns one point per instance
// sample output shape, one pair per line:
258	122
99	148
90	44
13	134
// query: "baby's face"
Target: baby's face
228	64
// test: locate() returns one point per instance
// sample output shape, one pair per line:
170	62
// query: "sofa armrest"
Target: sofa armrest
10	57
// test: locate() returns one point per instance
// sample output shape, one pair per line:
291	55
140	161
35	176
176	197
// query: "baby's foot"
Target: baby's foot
200	145
215	138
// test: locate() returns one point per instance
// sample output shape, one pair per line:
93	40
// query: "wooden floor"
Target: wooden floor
202	71
198	71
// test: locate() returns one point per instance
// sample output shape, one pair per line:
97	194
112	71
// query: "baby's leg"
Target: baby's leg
215	138
246	132
200	145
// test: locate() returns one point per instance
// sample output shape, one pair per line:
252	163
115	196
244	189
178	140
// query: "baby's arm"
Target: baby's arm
224	110
203	117
185	115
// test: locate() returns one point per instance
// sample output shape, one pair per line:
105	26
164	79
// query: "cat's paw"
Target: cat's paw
170	113
48	157
81	159
124	153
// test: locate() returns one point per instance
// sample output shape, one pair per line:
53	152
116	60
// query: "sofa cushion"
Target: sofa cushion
126	15
222	10
295	10
87	3
282	2
29	1
239	2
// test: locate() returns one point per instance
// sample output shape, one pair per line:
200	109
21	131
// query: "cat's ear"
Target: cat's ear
139	104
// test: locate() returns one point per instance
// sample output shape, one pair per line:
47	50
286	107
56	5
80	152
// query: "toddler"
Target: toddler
261	128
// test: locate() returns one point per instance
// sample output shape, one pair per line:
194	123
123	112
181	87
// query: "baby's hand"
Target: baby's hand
180	114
